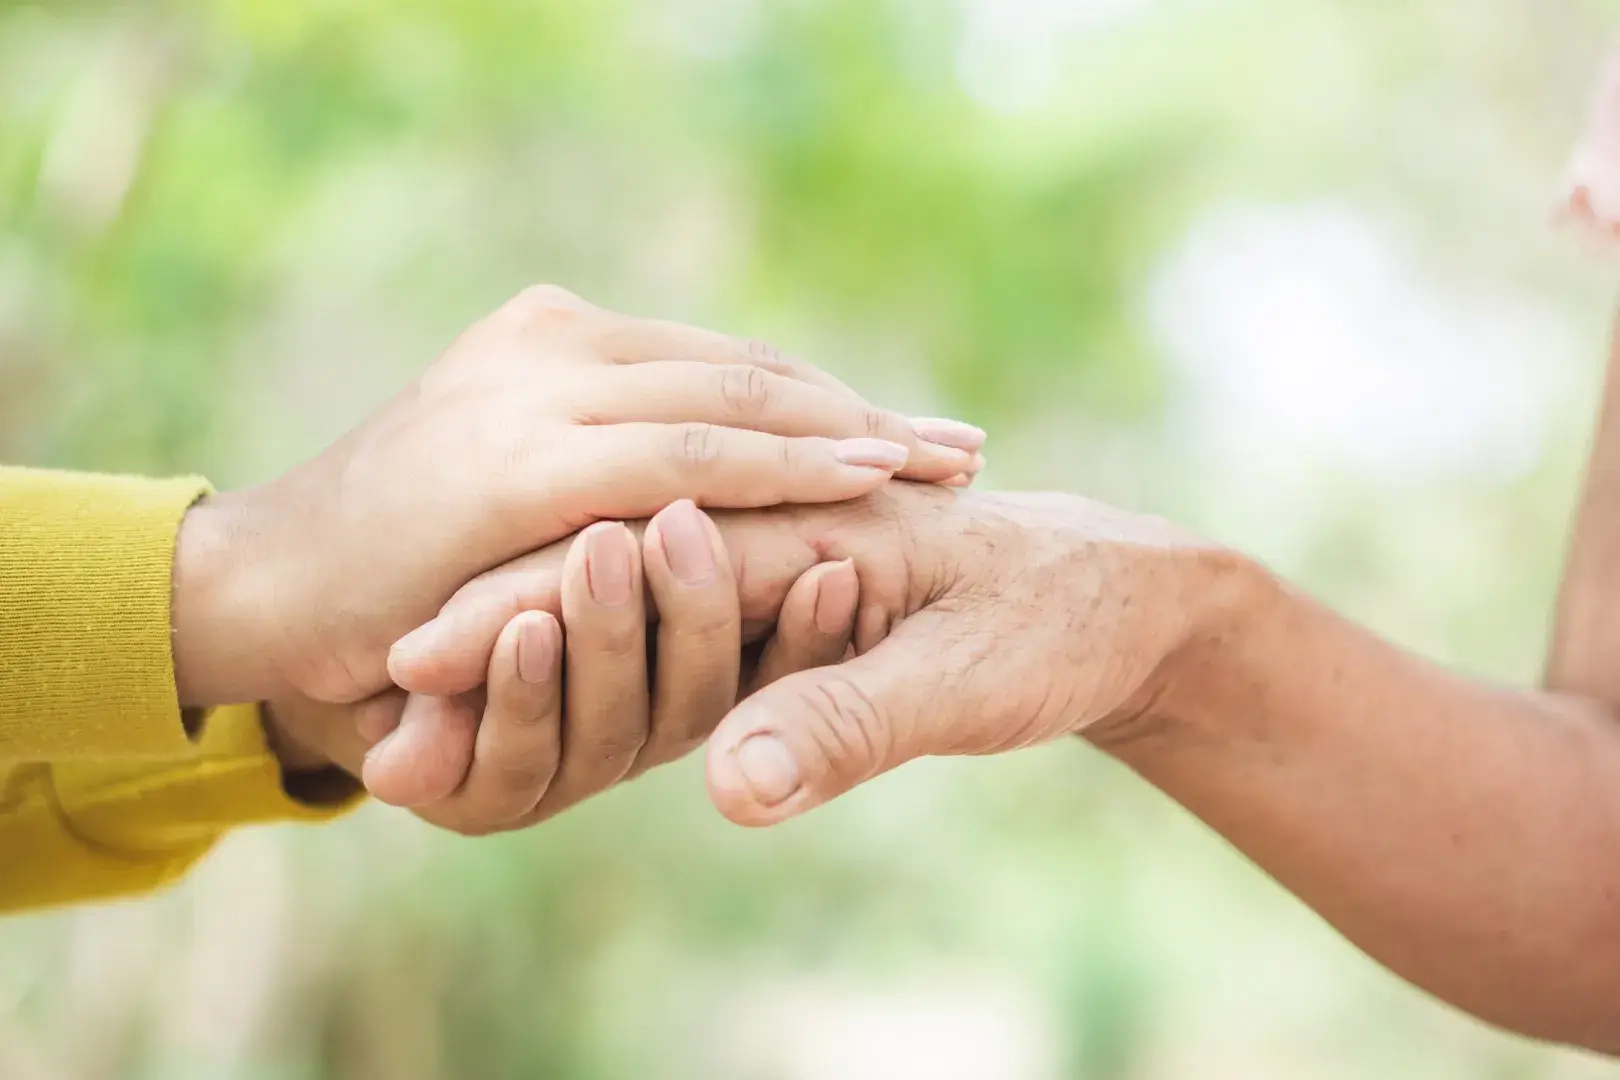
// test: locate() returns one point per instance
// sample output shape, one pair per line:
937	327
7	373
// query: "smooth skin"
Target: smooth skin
548	416
538	751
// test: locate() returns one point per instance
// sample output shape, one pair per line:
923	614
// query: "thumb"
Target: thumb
810	737
427	756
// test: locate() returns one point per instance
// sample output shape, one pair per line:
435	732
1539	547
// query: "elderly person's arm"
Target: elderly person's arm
1462	833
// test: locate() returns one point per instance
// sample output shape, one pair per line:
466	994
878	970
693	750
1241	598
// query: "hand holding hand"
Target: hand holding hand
987	623
518	750
545	417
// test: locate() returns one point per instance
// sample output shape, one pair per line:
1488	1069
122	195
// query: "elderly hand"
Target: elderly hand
545	417
987	623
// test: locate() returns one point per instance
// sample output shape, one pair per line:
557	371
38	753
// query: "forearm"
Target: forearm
1463	835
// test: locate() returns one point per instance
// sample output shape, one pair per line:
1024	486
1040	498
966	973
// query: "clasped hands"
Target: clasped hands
449	603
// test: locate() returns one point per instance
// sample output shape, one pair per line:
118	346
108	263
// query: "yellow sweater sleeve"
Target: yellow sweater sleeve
102	789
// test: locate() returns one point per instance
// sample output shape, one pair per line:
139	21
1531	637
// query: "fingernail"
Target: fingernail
537	649
607	563
873	454
768	769
423	641
951	433
686	543
836	595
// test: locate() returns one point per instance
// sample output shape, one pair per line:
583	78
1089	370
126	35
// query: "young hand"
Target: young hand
545	417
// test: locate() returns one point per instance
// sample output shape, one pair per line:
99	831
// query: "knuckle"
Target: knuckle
614	748
521	782
745	391
698	444
763	354
544	311
850	729
790	455
513	457
608	645
883	424
542	298
700	626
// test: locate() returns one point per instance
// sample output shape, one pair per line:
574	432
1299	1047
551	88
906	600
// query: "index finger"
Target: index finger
633	340
451	654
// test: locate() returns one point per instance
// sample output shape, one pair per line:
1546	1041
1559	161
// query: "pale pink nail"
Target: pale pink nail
768	769
873	454
836	594
537	648
685	540
952	433
607	563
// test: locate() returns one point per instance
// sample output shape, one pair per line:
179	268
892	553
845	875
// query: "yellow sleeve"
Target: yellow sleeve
102	790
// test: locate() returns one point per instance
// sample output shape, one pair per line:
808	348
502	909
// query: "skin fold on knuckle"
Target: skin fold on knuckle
519	784
610	648
767	356
527	714
882	424
701	629
791	457
848	731
607	755
745	393
544	310
697	447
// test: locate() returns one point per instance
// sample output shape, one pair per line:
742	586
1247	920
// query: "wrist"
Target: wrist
1234	603
223	640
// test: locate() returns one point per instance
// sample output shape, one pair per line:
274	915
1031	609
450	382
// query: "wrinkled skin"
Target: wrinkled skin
987	623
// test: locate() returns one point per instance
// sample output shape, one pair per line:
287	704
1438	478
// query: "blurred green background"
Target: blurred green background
1278	268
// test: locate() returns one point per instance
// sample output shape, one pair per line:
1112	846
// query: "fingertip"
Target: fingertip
409	658
604	566
767	798
879	454
432	660
682	544
426	757
952	433
537	647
